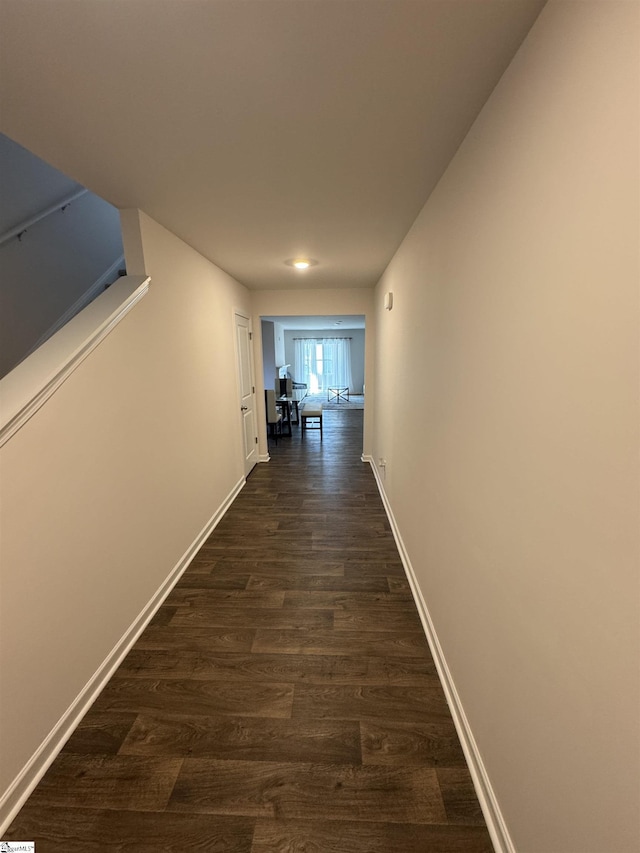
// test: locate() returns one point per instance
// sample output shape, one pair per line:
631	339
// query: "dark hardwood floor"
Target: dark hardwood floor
282	700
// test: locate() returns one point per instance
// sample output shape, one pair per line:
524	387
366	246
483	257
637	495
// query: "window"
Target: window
323	363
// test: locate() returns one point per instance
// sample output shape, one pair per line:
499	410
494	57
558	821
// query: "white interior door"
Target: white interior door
247	392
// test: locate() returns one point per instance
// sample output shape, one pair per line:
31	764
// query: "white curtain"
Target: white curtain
323	363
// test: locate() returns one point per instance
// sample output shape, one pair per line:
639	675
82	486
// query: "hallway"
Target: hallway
283	698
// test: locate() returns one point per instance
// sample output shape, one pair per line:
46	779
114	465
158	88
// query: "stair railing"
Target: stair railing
23	227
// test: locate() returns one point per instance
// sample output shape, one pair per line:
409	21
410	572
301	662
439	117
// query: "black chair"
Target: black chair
274	417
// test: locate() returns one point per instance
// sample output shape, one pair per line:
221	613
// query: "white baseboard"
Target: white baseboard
490	807
18	792
264	457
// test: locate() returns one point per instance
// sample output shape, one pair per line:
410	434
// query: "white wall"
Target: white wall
302	303
278	331
29	185
50	268
357	350
106	487
514	483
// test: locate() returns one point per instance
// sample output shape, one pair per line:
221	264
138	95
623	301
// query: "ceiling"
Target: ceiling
258	130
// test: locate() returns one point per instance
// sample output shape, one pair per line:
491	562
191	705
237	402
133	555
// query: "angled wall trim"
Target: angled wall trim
88	296
29	385
490	807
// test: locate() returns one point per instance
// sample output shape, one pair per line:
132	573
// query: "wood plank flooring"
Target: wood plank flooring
282	700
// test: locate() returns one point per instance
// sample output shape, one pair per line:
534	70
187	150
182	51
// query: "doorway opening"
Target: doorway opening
315	359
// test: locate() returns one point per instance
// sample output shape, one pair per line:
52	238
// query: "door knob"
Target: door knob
244	408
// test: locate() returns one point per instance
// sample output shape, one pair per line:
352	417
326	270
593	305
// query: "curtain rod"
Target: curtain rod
323	339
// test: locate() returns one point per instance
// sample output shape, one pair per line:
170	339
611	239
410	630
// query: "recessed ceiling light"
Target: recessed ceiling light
301	263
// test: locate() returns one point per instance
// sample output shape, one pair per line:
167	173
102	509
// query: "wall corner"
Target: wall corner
132	241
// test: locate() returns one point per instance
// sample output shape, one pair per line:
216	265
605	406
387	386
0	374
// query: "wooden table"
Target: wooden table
289	406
